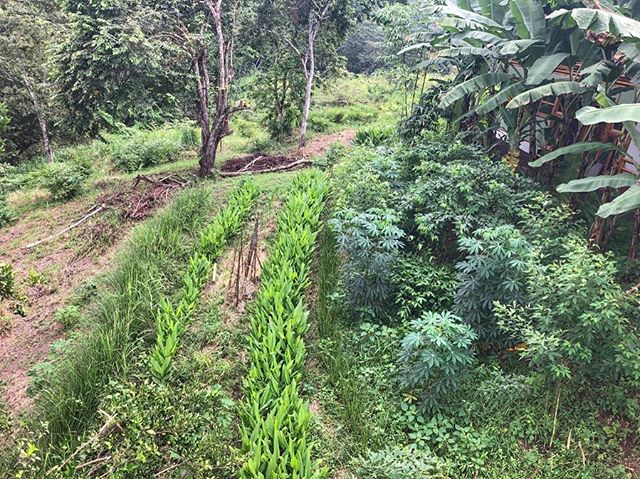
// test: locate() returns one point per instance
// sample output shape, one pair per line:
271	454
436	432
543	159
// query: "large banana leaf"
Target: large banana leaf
584	185
500	98
481	82
466	52
493	9
594	75
627	201
485	37
598	21
590	115
467	15
543	67
550	89
512	47
529	18
576	148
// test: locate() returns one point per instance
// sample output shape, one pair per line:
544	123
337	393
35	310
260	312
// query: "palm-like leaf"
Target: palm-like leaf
550	89
584	185
478	83
576	148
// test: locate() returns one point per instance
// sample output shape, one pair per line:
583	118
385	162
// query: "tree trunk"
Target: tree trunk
213	137
46	142
635	236
310	71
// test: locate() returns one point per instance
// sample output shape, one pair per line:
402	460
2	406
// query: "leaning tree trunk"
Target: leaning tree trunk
44	129
635	236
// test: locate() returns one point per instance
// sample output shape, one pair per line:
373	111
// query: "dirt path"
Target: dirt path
319	145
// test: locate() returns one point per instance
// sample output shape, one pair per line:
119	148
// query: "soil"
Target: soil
63	264
317	146
256	162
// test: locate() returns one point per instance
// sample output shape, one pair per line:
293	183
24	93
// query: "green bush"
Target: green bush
68	316
319	124
495	269
425	116
371	242
7	216
397	462
65	180
373	136
457	190
7	281
189	136
144	152
421	285
435	354
578	320
335	154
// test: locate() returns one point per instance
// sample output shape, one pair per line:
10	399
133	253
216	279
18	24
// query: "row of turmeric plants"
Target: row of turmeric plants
172	321
275	419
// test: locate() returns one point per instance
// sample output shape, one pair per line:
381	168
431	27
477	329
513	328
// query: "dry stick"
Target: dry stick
239	269
105	427
93	211
253	247
158	474
555	419
584	458
227	174
93	461
250	164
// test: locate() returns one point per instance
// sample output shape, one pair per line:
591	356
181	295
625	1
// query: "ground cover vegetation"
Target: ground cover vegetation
450	292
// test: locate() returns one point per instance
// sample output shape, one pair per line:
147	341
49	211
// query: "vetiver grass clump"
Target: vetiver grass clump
125	307
275	419
171	321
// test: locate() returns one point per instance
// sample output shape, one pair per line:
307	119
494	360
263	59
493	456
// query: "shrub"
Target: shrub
6	215
373	136
435	355
578	320
495	269
425	116
420	285
401	463
459	191
68	316
368	179
189	136
65	180
319	123
7	281
335	154
144	152
371	242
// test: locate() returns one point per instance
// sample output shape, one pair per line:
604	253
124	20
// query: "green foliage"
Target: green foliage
397	462
373	137
126	304
425	116
68	316
65	180
275	419
7	216
189	136
7	281
146	149
569	330
495	269
371	242
171	322
335	154
458	190
192	435
435	355
421	285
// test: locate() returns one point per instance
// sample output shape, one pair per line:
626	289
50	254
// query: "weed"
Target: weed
7	281
68	316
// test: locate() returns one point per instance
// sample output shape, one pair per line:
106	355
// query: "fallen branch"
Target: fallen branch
251	163
289	166
95	209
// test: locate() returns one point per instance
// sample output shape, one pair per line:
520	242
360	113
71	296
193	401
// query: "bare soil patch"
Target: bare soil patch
60	263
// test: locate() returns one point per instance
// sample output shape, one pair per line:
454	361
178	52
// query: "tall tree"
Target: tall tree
28	29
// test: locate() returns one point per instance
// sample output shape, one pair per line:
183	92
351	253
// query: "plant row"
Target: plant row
171	320
275	419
